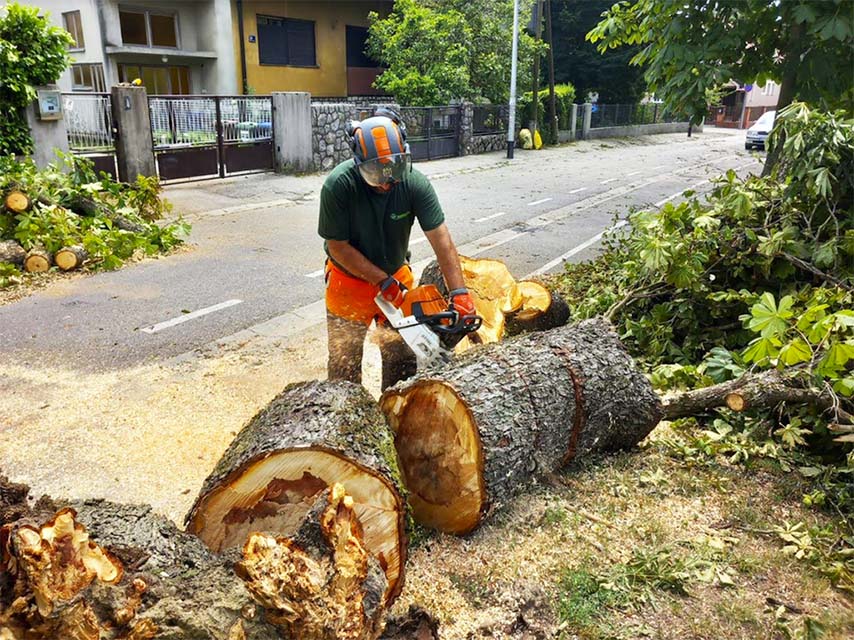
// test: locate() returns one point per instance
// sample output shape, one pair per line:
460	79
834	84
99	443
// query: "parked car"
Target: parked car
759	130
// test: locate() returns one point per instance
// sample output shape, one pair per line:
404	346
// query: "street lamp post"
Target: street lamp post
511	126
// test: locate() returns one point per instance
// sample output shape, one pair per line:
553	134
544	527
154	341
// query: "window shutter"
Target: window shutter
300	42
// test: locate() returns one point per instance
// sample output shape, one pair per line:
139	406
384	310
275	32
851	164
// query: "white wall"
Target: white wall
766	96
93	49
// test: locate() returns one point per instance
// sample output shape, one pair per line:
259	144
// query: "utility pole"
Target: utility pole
535	91
552	98
511	125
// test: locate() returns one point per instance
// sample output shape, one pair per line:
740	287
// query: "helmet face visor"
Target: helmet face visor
387	170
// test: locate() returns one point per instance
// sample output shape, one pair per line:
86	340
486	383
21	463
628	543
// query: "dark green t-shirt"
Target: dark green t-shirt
377	224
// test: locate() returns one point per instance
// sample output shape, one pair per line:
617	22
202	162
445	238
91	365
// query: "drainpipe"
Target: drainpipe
242	46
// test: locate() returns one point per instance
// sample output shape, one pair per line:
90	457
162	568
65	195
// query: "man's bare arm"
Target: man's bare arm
447	256
355	262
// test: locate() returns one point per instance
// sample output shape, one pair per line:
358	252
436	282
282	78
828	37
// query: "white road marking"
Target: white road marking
579	190
160	326
536	202
609	180
315	274
584	245
633	173
418	240
494	215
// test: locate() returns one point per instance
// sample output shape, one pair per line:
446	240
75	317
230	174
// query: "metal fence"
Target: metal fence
615	115
490	119
432	132
192	120
89	121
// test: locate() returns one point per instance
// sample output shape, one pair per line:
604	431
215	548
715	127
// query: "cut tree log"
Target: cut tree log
507	307
69	258
103	571
541	309
11	251
471	435
16	201
86	206
37	261
310	436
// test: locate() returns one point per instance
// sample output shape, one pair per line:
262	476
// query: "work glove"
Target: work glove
393	291
462	302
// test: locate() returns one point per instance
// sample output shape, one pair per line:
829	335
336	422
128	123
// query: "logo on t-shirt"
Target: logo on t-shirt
400	216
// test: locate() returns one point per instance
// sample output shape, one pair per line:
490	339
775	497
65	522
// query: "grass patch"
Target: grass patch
583	604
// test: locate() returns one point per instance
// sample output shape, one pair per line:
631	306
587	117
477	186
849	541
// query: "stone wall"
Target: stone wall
330	144
487	143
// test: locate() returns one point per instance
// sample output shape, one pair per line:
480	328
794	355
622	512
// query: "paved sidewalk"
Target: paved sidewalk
243	193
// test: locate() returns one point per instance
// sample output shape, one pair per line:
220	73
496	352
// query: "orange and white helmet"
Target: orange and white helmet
380	149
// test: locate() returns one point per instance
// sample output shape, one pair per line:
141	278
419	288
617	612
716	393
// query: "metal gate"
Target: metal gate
211	136
433	132
89	123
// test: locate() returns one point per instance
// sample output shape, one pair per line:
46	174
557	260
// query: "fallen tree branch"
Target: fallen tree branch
806	266
766	389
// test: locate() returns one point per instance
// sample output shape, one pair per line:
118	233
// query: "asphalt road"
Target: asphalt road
257	255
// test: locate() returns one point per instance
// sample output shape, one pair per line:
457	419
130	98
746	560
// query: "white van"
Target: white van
759	130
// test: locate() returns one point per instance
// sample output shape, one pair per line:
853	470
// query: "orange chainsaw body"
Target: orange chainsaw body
428	297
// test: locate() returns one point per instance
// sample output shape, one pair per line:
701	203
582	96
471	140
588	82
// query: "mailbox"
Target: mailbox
49	104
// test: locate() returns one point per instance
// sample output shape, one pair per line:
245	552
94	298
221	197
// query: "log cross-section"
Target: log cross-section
310	436
471	435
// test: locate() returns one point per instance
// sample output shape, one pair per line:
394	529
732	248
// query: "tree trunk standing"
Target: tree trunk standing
472	435
788	89
11	251
313	434
538	17
552	97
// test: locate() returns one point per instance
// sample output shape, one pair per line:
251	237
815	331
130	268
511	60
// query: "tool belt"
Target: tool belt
352	298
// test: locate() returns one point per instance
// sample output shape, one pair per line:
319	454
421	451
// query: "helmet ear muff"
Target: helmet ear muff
351	129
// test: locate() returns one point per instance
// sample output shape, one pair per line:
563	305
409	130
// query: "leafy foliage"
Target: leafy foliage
760	275
577	61
50	225
691	47
32	53
436	51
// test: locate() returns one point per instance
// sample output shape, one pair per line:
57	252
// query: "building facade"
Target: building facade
744	104
194	46
311	45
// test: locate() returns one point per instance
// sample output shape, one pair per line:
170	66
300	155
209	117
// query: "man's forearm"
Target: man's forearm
355	262
447	256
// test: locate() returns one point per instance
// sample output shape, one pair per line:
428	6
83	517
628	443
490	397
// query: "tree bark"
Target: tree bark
788	88
471	435
86	206
69	258
11	251
37	261
310	436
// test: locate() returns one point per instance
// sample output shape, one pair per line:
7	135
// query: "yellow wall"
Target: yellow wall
329	78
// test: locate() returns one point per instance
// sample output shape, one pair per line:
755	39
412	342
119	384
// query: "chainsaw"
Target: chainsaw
427	324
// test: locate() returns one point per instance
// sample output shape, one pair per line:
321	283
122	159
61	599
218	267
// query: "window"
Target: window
74	26
88	77
285	41
357	42
149	29
769	88
158	80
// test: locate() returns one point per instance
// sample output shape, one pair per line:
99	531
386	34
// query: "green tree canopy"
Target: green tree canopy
692	46
32	53
436	51
610	74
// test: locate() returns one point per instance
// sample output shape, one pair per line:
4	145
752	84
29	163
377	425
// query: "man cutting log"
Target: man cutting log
367	208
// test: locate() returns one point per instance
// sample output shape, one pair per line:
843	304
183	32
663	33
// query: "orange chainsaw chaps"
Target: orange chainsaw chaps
429	299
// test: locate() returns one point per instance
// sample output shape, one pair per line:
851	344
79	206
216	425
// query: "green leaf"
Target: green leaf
769	319
810	472
795	352
761	349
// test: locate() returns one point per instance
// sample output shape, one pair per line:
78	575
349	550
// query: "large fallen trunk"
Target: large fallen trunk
86	206
473	434
310	436
108	572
